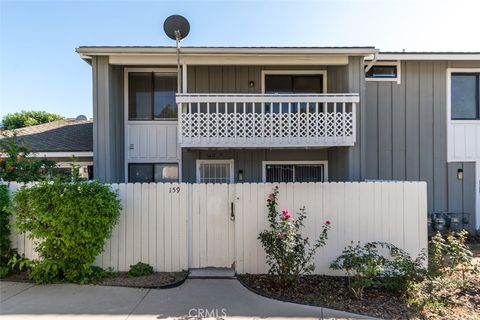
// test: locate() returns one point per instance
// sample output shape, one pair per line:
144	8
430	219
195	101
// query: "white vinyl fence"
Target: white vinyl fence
180	226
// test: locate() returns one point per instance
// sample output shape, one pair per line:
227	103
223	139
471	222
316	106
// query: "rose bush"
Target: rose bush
289	254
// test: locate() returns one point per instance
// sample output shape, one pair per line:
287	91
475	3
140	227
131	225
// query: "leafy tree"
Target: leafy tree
23	119
16	165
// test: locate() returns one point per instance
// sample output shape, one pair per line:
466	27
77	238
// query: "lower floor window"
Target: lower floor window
294	172
153	172
215	171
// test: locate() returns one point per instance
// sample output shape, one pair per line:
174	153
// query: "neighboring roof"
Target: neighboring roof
107	50
418	55
67	135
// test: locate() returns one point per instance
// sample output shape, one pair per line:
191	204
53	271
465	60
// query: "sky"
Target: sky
39	69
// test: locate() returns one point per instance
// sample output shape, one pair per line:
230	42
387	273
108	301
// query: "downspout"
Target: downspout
370	65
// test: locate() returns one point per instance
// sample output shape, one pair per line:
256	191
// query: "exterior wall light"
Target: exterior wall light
251	84
240	175
460	174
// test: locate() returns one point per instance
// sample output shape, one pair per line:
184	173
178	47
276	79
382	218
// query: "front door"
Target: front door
212	220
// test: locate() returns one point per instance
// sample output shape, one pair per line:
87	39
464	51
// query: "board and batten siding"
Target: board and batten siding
178	226
406	135
108	121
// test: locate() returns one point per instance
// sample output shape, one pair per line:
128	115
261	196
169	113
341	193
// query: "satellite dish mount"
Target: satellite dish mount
177	28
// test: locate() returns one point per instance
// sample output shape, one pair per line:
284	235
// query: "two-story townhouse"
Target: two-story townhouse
234	115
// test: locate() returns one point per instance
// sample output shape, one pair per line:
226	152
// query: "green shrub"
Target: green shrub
140	269
5	250
27	118
400	272
288	253
48	270
363	266
69	222
366	267
450	253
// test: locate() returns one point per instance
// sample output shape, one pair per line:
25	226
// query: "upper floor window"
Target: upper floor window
383	71
290	83
151	96
465	96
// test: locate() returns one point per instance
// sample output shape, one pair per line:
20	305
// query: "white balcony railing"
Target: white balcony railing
266	120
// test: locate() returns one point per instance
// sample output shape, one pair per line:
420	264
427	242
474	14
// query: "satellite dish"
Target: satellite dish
81	118
176	27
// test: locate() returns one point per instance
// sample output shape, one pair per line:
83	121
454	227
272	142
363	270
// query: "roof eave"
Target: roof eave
87	52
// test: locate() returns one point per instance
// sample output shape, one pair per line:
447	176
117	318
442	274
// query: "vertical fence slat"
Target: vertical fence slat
152	224
167	228
160	210
122	232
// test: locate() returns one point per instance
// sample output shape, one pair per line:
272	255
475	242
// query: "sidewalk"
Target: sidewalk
196	298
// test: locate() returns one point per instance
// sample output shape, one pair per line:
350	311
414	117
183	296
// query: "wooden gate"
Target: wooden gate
212	226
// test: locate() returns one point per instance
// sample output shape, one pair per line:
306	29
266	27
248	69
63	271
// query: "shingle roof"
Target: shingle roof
59	136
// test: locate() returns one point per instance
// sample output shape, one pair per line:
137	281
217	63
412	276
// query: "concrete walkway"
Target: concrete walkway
196	298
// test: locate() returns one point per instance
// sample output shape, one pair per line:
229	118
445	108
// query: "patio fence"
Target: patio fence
180	226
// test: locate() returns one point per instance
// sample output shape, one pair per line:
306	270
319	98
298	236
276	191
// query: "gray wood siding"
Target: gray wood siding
250	161
108	121
406	135
235	79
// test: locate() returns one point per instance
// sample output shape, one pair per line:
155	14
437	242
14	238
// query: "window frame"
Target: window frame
215	161
153	170
396	63
323	73
477	75
451	71
293	162
167	71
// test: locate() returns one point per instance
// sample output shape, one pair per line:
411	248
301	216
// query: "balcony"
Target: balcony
266	120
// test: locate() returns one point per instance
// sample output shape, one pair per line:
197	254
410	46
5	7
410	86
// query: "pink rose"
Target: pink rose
270	197
286	214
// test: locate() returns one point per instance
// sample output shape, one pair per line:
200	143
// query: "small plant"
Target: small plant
140	269
70	223
289	254
366	267
18	263
401	271
450	253
362	264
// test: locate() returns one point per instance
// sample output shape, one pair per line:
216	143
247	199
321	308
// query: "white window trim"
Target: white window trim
296	72
126	71
265	163
449	94
217	161
451	144
396	63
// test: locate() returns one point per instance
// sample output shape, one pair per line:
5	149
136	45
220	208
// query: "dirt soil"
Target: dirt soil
156	280
122	279
333	292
